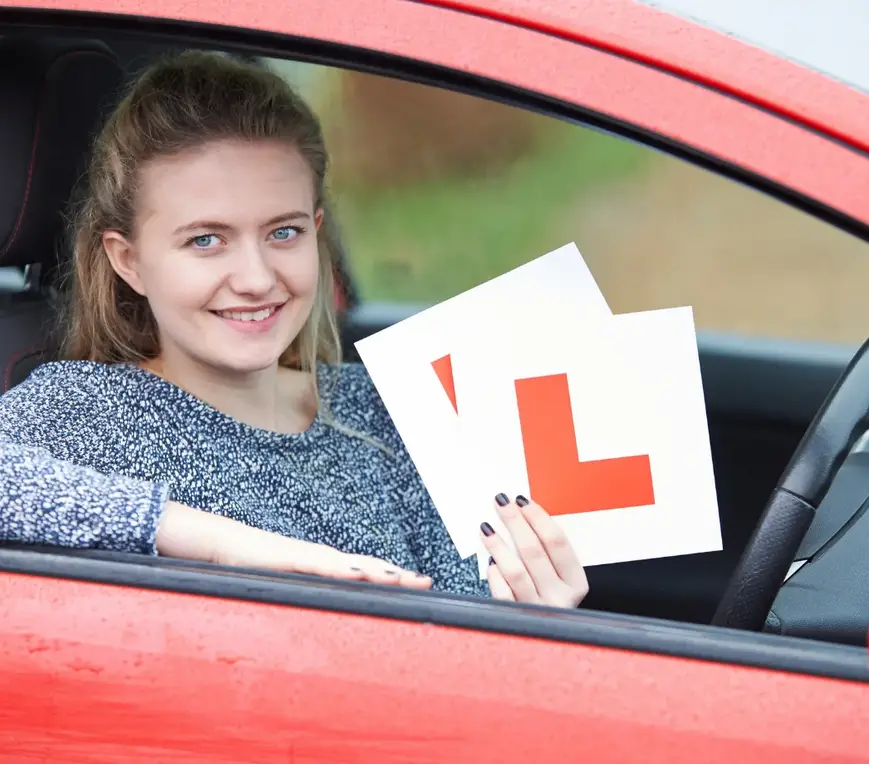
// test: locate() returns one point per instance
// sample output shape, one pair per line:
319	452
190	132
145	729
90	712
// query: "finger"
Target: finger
275	552
498	586
528	546
557	546
510	566
412	580
328	566
294	556
381	572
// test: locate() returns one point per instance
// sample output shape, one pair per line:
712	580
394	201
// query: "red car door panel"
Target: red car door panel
132	674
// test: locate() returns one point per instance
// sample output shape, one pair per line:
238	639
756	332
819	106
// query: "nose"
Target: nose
252	272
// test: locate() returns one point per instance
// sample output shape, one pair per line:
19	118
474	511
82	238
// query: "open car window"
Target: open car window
435	191
438	191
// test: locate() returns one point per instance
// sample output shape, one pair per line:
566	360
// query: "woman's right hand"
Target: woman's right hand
193	534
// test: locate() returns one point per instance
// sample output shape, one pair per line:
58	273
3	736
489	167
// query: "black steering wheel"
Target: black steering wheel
830	438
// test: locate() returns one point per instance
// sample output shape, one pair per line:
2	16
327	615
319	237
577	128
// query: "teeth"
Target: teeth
259	315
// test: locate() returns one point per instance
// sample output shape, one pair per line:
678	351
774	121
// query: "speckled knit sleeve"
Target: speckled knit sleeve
47	500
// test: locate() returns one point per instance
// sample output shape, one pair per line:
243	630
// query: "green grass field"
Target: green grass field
426	242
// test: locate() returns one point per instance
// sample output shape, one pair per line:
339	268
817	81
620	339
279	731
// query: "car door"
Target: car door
107	658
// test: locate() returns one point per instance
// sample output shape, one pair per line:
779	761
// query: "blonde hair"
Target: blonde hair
178	104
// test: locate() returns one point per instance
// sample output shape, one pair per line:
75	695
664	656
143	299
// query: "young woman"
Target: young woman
201	410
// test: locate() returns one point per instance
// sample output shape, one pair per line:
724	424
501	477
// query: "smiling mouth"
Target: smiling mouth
249	315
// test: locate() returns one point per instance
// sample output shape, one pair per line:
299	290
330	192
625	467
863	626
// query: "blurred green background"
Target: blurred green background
436	192
424	241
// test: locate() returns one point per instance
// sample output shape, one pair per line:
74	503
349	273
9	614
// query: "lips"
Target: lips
256	315
255	319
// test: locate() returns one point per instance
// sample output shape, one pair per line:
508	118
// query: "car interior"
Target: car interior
761	398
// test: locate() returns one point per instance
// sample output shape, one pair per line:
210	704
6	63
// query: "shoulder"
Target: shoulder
63	397
65	380
350	397
58	380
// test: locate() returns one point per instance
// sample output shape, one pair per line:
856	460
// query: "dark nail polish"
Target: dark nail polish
390	573
491	561
487	529
521	500
502	499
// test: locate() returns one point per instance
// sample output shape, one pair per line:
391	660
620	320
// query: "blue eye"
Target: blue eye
285	233
204	241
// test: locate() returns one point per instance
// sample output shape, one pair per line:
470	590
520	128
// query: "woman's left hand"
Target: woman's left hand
544	569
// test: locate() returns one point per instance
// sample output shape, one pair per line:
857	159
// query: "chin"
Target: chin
245	365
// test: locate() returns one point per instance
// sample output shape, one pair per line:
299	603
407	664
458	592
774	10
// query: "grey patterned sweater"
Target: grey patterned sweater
91	452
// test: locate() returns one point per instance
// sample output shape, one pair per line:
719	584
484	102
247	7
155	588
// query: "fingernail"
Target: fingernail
390	573
487	529
502	499
421	575
491	561
521	500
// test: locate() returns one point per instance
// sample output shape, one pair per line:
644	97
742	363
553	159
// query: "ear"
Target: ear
318	219
122	256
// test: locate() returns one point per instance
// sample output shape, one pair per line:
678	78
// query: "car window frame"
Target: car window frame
65	565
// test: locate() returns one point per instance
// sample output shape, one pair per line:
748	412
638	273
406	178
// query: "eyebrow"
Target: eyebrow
213	225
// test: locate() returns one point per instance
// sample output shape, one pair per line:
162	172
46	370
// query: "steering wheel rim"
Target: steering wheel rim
841	420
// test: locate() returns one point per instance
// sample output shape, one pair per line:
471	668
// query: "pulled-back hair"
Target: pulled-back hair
181	103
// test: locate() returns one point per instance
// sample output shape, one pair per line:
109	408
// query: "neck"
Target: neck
270	399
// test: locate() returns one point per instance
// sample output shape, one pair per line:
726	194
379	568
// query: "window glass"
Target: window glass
436	192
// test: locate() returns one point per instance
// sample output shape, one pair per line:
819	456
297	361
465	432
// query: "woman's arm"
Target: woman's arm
44	500
196	535
48	501
47	497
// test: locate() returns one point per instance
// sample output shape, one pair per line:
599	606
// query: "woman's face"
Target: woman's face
225	251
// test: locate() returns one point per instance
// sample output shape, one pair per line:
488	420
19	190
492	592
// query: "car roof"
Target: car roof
704	48
649	74
795	83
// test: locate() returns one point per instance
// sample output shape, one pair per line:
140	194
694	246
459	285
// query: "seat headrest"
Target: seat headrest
53	98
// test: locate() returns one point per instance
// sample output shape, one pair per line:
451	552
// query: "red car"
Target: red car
705	658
